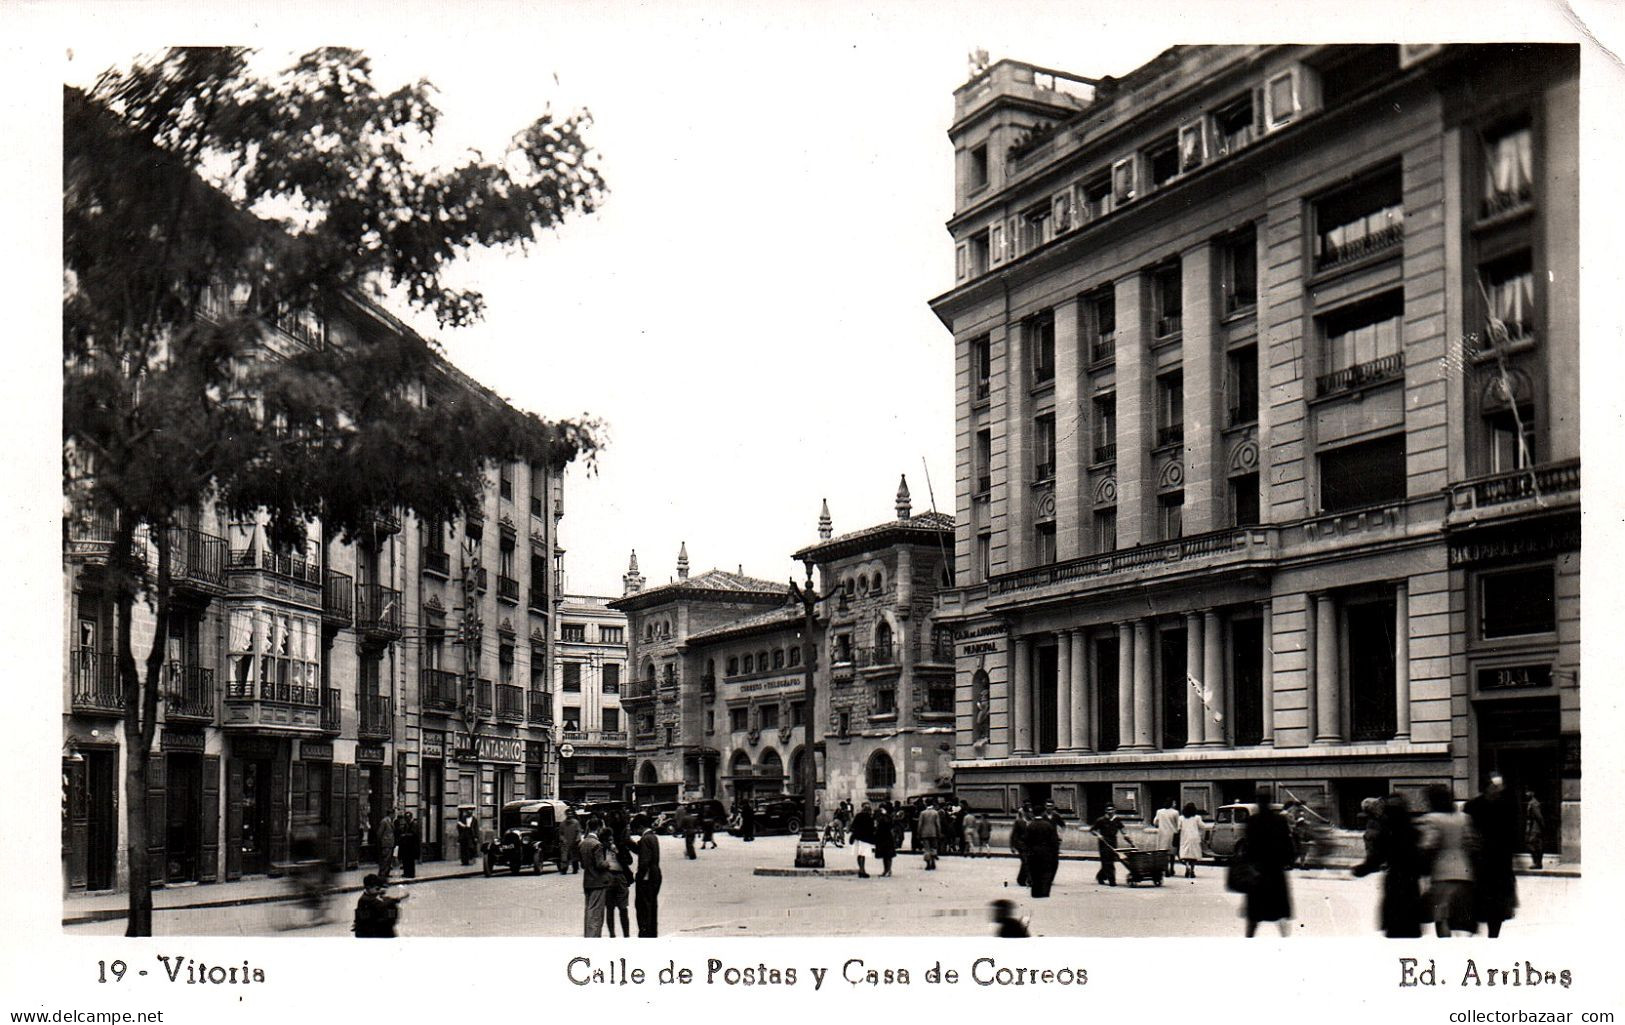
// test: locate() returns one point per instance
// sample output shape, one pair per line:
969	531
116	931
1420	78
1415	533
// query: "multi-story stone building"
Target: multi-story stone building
311	689
1267	421
589	672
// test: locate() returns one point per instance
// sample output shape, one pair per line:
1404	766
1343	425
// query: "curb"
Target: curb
764	871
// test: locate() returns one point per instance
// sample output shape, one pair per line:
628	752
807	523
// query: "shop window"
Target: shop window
1517	602
1362	474
1369	634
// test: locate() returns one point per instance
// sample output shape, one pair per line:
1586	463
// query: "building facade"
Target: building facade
1267	428
313	688
589	672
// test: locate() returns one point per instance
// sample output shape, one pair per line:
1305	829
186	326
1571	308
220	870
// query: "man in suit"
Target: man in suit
595	879
647	898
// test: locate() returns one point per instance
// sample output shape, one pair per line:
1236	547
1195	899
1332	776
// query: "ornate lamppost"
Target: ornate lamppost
809	850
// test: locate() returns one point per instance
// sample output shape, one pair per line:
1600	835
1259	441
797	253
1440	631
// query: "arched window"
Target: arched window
750	663
733	666
851	588
648	773
770	765
739	765
778	658
649	672
881	773
879	583
883	640
863	584
795	655
796	769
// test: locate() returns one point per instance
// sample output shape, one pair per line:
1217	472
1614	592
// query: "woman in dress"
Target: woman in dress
1446	835
1191	832
1391	846
1267	848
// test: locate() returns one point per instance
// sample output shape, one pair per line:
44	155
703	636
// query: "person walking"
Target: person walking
620	882
747	820
1018	842
1534	830
468	836
1494	819
688	834
570	844
409	842
863	837
707	831
1109	829
1191	832
376	912
885	840
1267	850
1166	822
1392	847
927	834
1445	836
595	878
384	836
967	834
1043	854
984	834
648	878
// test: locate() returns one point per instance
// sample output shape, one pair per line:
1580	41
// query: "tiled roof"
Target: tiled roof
715	581
924	523
784	615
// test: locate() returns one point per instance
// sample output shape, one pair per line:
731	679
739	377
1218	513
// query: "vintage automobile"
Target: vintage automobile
670	822
775	814
527	836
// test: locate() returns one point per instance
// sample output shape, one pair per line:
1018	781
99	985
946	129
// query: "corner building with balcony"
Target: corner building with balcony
311	689
590	672
1267	429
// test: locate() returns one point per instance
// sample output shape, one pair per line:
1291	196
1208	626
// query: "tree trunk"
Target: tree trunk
140	715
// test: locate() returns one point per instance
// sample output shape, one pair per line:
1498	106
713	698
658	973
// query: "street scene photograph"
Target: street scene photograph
874	484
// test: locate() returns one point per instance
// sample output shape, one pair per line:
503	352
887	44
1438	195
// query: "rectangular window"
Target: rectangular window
769	715
1365	473
1099	314
505	481
1365	218
1037	227
1044	447
1162	161
981	366
1167	302
572	718
778	658
505	561
1369	634
612	678
710	721
976	168
733	666
1171	515
576	632
978	255
1363	344
1511	437
1241	385
538	669
798	713
1171	408
843	724
612	635
1233	125
1244	500
612	720
1105	427
1509	166
1517	602
1044	544
1509	291
1094	198
984	555
886	701
505	664
983	468
572	676
1039	333
739	719
1105	530
1238	262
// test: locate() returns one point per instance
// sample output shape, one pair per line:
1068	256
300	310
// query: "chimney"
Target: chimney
632	581
826	528
682	561
903	503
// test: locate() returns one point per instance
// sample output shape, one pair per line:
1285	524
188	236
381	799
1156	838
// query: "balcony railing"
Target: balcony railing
1331	255
440	690
1167	553
1106	453
375	720
197	559
939	649
538	597
1103	347
1358	376
510	703
984	484
1236	300
877	655
338	599
294	567
95	682
1169	324
378	610
984	388
637	690
188	693
436	562
1516	486
484	699
507	589
1501	201
1173	434
332	710
539	707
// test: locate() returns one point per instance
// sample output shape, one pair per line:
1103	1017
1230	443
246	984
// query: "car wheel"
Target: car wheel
793	825
539	861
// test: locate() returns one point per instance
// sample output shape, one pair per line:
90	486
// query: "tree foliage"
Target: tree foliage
204	203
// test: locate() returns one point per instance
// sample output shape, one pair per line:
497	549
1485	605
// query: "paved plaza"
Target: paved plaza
719	895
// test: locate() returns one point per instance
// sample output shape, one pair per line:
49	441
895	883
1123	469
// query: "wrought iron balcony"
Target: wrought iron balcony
508	589
1168	325
1103	347
1243	412
294	567
1173	434
332	710
197	560
439	690
338	599
378	611
436	562
376	721
1386	368
877	655
510	703
188	693
89	535
1502	201
538	597
637	690
96	689
539	707
939	649
1106	453
484	699
1331	255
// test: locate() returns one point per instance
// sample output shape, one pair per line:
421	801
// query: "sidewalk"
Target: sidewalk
105	905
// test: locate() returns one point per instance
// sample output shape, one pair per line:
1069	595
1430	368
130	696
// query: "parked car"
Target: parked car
671	822
658	812
779	814
527	836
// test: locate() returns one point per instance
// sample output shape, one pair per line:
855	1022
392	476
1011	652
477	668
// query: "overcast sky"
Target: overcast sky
747	312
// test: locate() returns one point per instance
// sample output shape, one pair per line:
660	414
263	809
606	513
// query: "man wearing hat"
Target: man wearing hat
1109	829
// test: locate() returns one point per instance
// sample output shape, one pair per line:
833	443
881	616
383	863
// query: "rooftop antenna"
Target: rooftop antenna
947	561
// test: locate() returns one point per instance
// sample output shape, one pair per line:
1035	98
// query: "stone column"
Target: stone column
1144	693
1125	686
1063	691
1136	411
1402	661
1021	696
1195	718
1328	692
1267	672
1215	734
1082	740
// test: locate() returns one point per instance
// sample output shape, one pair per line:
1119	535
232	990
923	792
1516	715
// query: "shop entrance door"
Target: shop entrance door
255	832
184	803
1520	740
434	808
101	821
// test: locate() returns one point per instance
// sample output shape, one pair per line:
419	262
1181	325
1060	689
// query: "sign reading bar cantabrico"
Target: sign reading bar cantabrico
491	749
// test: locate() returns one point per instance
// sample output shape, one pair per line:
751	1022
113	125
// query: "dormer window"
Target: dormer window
1162	161
1094	198
1233	125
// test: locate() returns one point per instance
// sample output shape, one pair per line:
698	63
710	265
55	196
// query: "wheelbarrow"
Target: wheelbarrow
1143	865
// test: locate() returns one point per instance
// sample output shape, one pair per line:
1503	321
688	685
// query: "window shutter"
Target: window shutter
1192	145
1258	112
1061	211
234	818
1012	236
1124	180
995	242
335	817
352	816
157	821
209	824
962	261
279	810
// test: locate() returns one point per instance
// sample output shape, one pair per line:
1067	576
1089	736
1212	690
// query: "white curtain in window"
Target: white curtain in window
1511	163
1512	300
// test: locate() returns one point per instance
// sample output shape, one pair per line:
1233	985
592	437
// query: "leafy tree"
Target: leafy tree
202	202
